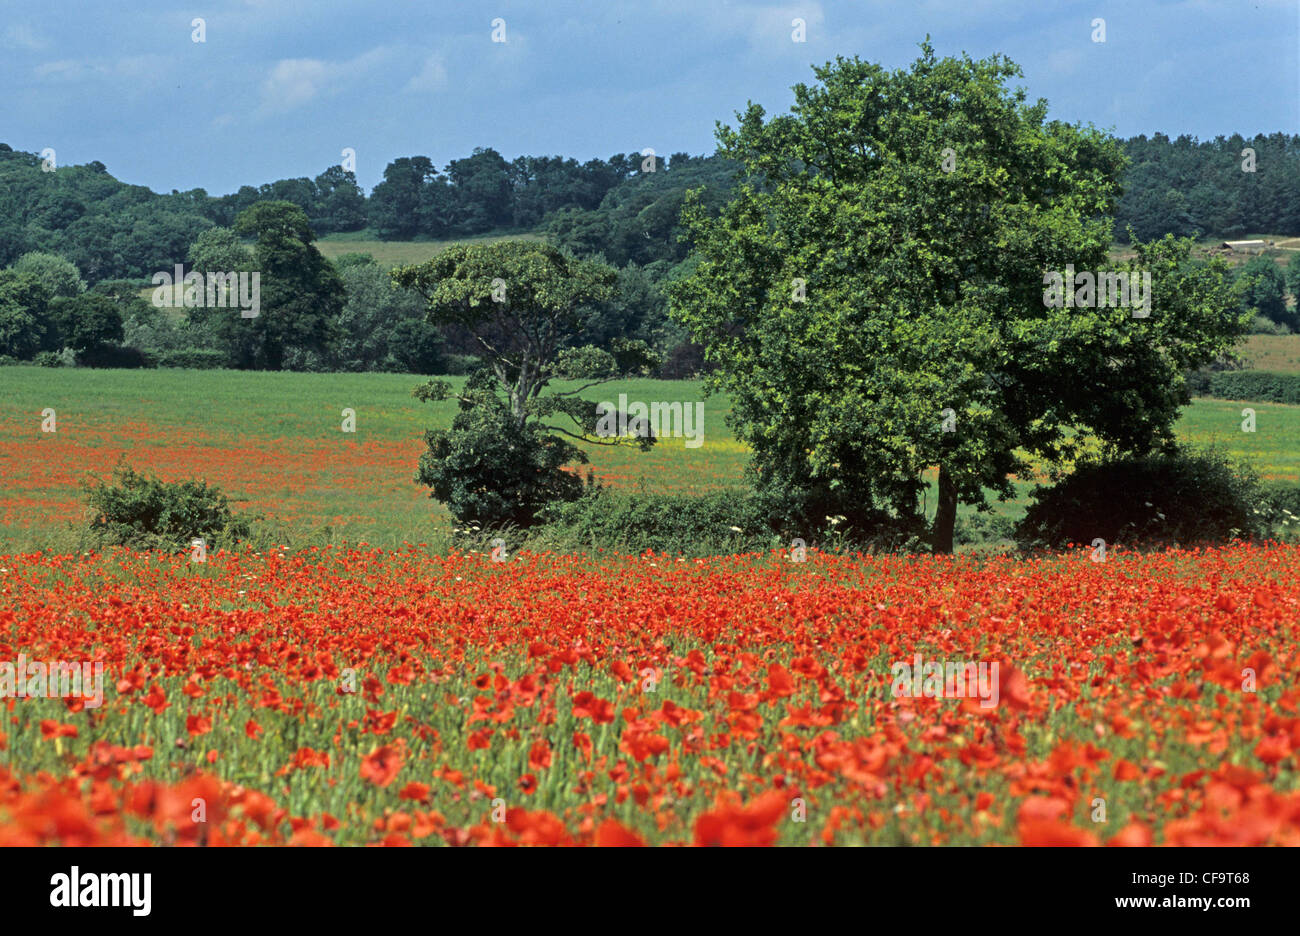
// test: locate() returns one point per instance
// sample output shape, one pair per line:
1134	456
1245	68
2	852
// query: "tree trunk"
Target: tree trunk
945	515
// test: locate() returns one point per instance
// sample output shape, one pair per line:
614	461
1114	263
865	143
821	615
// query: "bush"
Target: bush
193	359
1185	498
143	512
458	365
48	359
1280	506
1263	325
488	470
720	523
117	356
819	515
1257	386
983	528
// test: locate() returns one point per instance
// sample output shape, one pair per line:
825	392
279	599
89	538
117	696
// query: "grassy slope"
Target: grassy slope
398	253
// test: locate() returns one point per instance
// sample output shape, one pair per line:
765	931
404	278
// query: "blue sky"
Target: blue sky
280	87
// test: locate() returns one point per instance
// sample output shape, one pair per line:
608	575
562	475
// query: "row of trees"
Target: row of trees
313	314
1226	187
613	207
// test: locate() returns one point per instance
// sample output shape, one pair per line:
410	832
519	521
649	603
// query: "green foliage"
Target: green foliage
1293	278
1264	292
59	276
1183	497
639	220
193	358
523	303
527	307
922	291
1185	186
107	228
88	321
603	206
982	528
26	325
219	250
115	356
459	365
301	292
1260	325
815	514
381	326
721	523
1256	386
1280	505
488	468
143	512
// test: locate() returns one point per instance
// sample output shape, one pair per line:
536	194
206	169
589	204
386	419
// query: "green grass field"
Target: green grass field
1277	353
274	442
400	253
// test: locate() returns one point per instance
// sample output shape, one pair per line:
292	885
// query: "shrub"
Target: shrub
193	359
118	356
1280	507
458	365
1184	497
813	514
48	359
143	512
725	522
488	470
983	528
1258	386
1263	325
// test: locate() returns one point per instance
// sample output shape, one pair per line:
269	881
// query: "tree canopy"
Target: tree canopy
874	294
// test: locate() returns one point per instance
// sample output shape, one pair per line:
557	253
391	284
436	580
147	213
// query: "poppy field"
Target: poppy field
379	697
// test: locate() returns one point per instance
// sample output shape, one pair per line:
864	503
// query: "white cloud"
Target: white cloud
431	77
294	82
23	38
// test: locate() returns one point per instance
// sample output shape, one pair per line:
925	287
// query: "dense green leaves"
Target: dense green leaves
528	308
144	512
874	295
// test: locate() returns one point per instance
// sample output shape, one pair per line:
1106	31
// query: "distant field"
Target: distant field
1277	353
386	254
1281	251
273	441
399	253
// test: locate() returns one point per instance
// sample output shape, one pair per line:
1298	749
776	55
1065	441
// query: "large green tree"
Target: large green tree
1264	290
60	276
301	292
382	327
874	295
26	325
